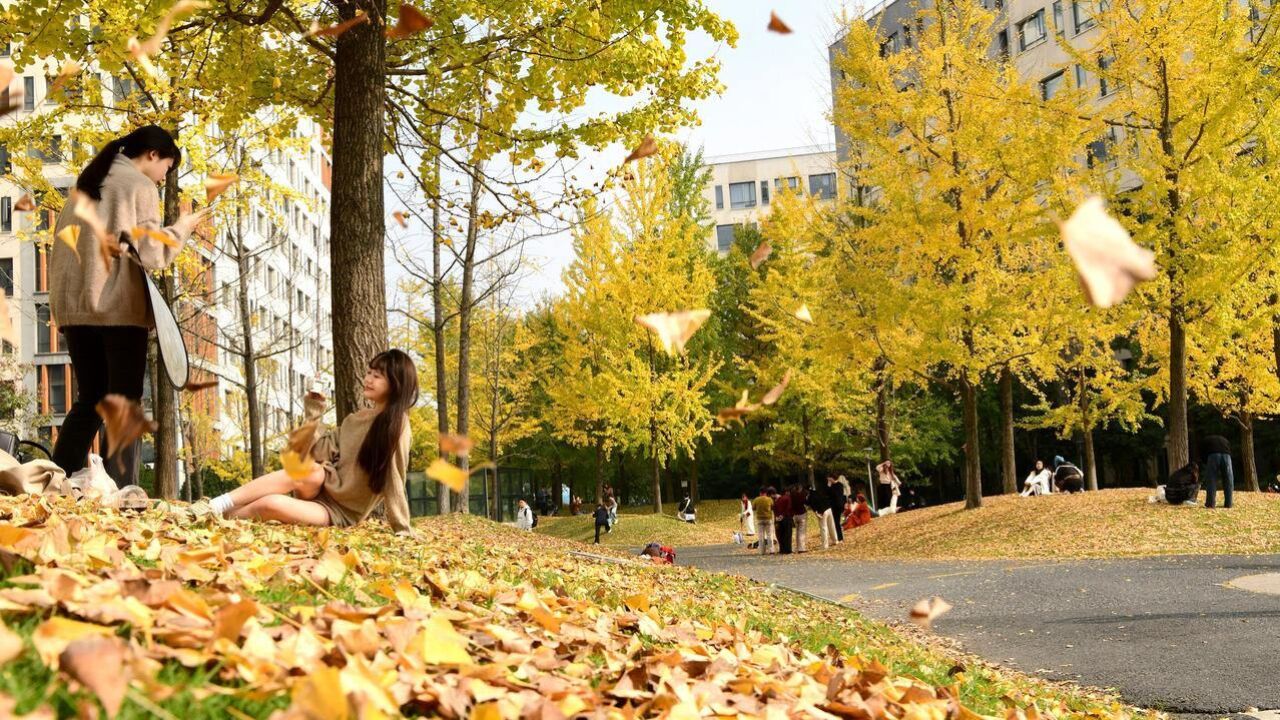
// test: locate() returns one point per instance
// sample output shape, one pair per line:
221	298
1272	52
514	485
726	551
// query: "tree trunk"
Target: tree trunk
882	418
438	338
465	311
599	470
1179	443
693	479
249	365
972	465
657	469
1090	462
808	456
164	397
557	485
357	219
1248	460
1008	462
1152	465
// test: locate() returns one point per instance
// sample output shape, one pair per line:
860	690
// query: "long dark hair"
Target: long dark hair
383	438
145	139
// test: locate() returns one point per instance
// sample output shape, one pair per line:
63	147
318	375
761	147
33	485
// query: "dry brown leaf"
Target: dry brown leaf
217	183
125	421
648	146
459	445
674	329
6	73
193	386
230	619
101	665
401	219
319	696
776	24
448	474
24	204
159	236
1108	261
761	253
923	613
775	393
338	28
411	21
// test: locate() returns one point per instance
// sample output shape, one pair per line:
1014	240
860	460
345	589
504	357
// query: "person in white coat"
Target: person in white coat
524	516
1037	482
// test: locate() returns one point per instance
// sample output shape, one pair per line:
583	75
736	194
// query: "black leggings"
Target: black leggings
109	359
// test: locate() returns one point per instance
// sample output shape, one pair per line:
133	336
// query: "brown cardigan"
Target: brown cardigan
82	291
346	494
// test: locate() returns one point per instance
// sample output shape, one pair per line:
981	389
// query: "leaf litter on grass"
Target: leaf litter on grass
455	623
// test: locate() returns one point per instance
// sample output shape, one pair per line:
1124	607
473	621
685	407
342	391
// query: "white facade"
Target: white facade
288	285
742	185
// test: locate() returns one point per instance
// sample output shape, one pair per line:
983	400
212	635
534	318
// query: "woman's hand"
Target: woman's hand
187	224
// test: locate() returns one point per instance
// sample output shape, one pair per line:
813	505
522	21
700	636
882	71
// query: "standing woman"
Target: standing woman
101	305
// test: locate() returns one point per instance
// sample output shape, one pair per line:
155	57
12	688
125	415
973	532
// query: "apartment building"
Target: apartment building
742	185
287	247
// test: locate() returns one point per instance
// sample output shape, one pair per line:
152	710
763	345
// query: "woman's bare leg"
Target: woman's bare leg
278	483
285	509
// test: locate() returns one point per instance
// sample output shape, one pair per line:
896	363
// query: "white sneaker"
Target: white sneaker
1191	503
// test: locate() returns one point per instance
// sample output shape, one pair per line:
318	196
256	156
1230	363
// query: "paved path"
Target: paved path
1167	633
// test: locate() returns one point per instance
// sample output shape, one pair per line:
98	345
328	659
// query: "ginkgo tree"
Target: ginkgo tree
960	154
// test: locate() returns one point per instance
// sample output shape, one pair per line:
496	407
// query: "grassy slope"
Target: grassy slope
473	569
1110	523
717	520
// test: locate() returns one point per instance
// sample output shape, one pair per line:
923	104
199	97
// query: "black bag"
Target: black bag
534	515
1183	485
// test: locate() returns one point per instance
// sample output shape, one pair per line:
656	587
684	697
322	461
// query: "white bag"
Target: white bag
92	481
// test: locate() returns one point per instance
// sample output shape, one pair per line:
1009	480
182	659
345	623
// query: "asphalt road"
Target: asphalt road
1166	633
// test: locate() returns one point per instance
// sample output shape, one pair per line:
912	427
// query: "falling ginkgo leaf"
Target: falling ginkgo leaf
296	466
70	69
776	24
1108	261
301	439
141	56
804	314
86	209
459	445
411	21
6	73
775	393
400	219
674	329
24	204
193	386
740	409
760	254
647	147
217	183
926	611
70	236
159	236
125	421
100	664
448	474
335	30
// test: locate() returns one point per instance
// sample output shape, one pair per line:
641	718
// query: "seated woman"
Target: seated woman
1037	482
362	466
859	513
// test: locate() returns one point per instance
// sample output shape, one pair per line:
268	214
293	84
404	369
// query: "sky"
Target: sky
777	95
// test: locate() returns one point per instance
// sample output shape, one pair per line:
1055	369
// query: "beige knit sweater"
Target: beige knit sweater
84	291
346	494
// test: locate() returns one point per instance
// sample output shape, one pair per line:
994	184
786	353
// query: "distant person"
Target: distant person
575	506
800	517
1037	482
524	515
602	520
762	506
838	494
820	503
1216	451
747	517
611	506
782	522
685	512
859	513
1182	488
1067	477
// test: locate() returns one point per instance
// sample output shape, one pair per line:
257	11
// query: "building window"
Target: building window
724	237
719	197
29	93
57	389
1051	85
1100	151
5	165
891	44
823	186
907	42
764	192
1058	27
1080	15
1082	76
6	215
1031	31
44	330
790	183
1104	88
1002	44
742	195
121	89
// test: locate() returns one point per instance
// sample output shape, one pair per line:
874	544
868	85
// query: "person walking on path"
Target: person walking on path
747	517
524	516
835	489
99	300
1217	466
602	520
782	522
762	506
800	517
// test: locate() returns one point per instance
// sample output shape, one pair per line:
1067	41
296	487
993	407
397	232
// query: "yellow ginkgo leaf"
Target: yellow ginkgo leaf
440	644
448	474
297	467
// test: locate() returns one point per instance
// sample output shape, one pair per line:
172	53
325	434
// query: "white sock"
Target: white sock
222	504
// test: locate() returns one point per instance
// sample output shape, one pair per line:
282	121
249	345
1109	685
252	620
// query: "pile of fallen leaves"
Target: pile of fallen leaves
469	619
1107	523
